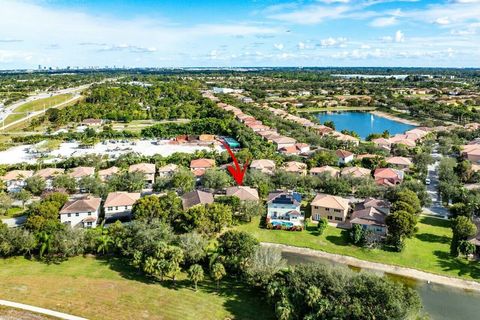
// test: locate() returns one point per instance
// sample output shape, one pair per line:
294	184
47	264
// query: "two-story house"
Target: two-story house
285	205
15	179
48	174
82	212
333	208
118	205
370	215
148	169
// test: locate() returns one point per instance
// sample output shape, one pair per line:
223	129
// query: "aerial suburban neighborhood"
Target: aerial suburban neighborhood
188	183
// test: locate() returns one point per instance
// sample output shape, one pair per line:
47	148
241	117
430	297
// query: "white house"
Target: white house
119	204
15	180
284	206
82	212
344	156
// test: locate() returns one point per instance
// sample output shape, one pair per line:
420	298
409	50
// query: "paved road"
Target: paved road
436	209
48	312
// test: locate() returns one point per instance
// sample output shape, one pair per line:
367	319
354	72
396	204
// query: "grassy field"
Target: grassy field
138	125
428	250
36	105
110	289
7	313
13	212
323	109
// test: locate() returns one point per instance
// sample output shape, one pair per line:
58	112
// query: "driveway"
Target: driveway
436	208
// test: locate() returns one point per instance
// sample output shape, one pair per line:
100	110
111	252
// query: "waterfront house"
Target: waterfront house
15	180
119	205
285	205
196	197
82	212
370	215
148	170
333	208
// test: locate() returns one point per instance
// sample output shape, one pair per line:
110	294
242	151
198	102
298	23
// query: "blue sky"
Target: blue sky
209	33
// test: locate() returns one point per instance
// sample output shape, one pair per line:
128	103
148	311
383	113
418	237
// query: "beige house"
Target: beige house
244	193
283	142
80	172
148	169
401	163
295	167
168	170
15	179
48	174
356	172
264	165
119	204
333	208
195	198
105	174
334	172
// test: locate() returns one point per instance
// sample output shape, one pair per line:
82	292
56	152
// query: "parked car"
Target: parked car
427	181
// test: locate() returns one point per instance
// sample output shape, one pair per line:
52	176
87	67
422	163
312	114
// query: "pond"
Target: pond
363	123
440	302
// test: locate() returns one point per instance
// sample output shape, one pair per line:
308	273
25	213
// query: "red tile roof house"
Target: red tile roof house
344	156
80	172
401	163
199	166
15	179
148	169
283	142
356	172
105	174
81	212
388	176
118	205
295	167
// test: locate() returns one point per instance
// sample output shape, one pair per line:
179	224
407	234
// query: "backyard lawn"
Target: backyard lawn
110	289
428	250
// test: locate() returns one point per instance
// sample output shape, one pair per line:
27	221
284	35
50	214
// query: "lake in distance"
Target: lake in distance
363	123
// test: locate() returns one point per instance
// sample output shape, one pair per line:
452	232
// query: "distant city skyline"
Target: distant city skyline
262	33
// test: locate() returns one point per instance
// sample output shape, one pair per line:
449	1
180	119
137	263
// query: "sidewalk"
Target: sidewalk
47	312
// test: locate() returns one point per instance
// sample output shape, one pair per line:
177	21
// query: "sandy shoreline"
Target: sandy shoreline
392	269
394	118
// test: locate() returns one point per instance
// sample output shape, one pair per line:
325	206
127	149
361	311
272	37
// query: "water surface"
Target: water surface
363	123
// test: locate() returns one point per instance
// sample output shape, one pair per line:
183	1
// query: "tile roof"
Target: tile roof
243	193
81	205
147	168
79	172
329	201
196	197
115	199
17	174
48	173
202	163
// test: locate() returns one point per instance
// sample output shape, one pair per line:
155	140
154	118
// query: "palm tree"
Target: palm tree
104	243
176	257
150	266
312	296
195	274
218	272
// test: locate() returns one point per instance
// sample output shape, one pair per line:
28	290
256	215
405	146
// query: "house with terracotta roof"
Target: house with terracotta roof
356	172
284	205
48	174
199	166
370	215
388	176
264	165
82	212
295	167
401	163
296	149
119	205
15	179
344	156
80	172
333	208
195	198
317	171
148	170
244	193
167	170
382	143
106	174
471	152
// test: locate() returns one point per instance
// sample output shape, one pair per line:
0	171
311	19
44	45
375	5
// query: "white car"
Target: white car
427	181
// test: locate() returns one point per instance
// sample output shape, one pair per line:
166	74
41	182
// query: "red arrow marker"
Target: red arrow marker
237	173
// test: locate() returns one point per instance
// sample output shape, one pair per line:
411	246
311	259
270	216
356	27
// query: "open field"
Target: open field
36	105
323	109
138	125
110	289
428	250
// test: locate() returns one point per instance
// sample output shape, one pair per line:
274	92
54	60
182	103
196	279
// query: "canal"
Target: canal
440	302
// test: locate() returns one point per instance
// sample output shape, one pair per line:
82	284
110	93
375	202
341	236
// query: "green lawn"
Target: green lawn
13	212
427	251
101	289
36	105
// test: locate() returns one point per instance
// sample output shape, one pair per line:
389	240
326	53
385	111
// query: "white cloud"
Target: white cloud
442	21
333	42
278	46
384	22
312	14
399	36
